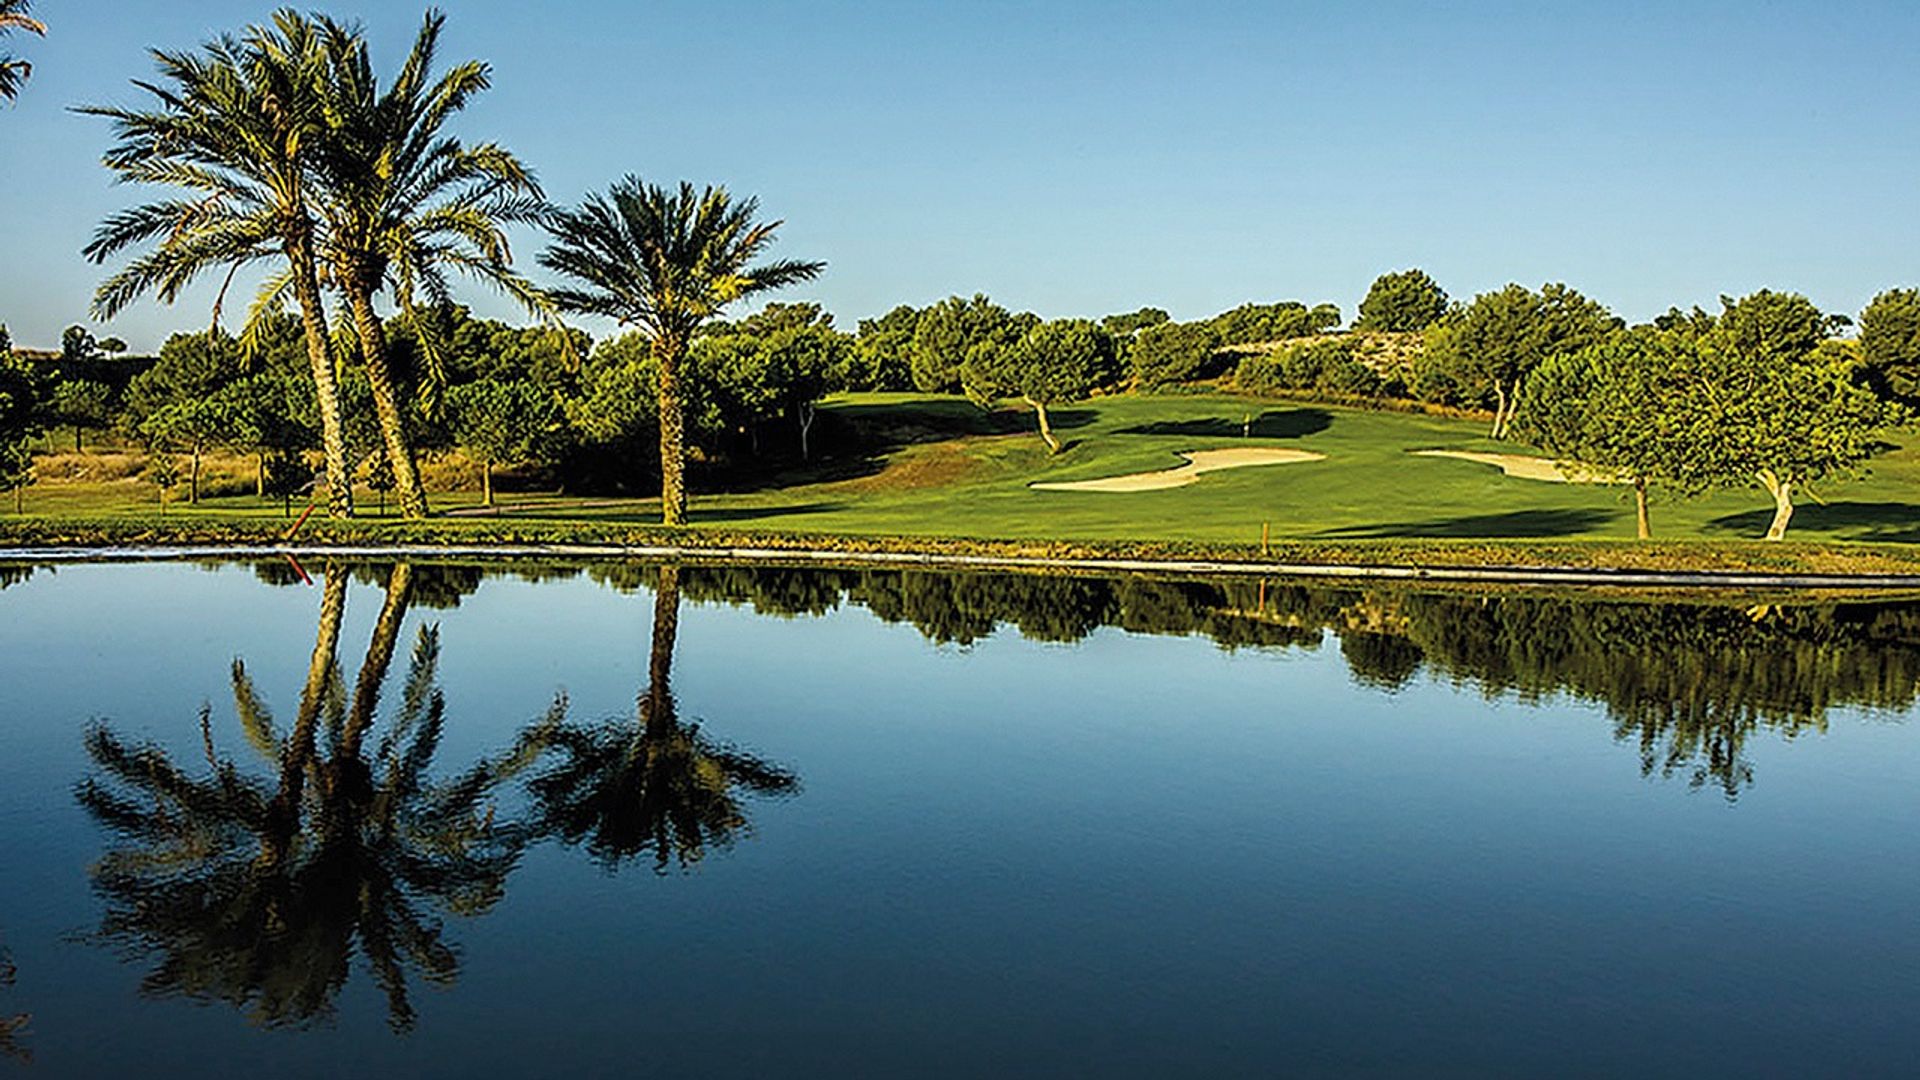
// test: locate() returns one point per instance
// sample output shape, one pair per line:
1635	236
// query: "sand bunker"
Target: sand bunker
1198	462
1530	468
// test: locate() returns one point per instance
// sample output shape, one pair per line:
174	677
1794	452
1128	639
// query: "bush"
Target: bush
1349	378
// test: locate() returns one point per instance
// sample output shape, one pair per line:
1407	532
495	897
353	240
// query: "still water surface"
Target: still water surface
442	820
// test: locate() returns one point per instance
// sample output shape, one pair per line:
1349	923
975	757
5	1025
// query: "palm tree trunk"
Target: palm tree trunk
313	317
673	433
1644	526
298	754
486	481
386	406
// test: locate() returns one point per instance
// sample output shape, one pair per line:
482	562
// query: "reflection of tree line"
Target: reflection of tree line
259	887
1689	683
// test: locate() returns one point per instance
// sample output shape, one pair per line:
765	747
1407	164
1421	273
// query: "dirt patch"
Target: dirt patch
1198	463
1523	467
937	465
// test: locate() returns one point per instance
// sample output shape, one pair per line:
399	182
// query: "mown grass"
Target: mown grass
918	468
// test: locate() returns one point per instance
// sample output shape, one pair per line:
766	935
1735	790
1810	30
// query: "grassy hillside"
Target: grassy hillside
918	466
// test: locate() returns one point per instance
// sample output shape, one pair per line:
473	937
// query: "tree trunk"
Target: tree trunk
486	481
313	317
806	425
386	407
1645	527
76	439
1782	492
673	434
1499	409
193	478
297	753
260	475
1046	429
19	498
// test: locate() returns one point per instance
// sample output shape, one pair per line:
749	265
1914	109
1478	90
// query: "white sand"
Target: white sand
1198	462
1523	467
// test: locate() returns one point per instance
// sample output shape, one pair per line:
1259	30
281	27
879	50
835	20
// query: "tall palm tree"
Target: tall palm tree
235	125
405	203
14	71
259	890
665	262
661	786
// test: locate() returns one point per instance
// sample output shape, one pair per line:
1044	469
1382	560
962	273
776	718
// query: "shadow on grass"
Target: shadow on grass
1887	522
702	515
856	441
1514	523
1272	424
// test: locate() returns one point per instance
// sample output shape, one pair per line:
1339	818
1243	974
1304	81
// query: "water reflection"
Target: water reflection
258	890
656	785
13	1027
1687	684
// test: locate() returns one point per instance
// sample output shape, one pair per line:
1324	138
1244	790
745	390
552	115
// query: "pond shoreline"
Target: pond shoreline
934	559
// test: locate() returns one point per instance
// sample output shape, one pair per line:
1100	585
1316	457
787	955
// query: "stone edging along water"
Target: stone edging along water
1512	575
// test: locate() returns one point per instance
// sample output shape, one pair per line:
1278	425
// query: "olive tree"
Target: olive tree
1890	342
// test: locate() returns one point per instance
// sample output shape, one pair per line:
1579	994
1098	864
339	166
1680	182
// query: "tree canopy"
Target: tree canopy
1402	302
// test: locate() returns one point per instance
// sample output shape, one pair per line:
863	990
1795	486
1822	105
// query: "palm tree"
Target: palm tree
259	891
234	124
14	71
665	263
404	203
662	786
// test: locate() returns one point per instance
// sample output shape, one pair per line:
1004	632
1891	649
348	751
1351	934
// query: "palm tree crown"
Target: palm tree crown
14	71
665	261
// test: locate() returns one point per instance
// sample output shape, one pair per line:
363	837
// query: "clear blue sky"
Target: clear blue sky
1078	158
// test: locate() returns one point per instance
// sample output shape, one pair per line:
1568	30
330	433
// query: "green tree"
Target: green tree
23	403
1253	324
1626	405
236	125
1890	342
666	263
1783	404
1404	301
511	421
13	70
1169	353
404	203
1052	364
951	330
193	427
882	354
1490	347
81	404
77	344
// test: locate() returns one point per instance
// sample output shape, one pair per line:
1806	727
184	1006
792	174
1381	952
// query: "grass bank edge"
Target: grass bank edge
1707	556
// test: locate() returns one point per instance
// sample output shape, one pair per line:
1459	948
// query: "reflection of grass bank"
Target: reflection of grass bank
941	470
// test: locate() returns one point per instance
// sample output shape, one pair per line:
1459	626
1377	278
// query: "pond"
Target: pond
521	819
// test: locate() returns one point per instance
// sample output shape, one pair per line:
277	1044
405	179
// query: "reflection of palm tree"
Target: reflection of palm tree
12	1027
257	892
660	786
